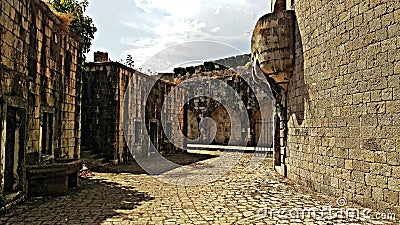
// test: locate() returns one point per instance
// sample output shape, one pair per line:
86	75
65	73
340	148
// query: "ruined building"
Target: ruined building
122	107
232	72
125	111
40	101
334	67
104	85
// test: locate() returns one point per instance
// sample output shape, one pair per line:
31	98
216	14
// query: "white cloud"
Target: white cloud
179	27
216	29
176	8
218	9
146	27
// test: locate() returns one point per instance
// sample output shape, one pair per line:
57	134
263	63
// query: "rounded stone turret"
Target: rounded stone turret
272	45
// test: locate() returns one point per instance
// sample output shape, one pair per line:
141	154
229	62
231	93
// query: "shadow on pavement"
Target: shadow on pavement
96	202
133	167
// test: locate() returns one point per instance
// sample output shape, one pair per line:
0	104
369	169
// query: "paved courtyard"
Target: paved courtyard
240	196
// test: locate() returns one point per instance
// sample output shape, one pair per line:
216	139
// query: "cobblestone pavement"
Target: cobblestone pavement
239	197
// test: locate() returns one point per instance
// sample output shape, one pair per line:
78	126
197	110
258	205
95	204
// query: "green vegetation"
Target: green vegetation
80	24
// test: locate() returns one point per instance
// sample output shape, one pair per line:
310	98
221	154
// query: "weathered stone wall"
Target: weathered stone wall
40	79
105	87
223	126
347	83
204	107
157	116
193	131
231	72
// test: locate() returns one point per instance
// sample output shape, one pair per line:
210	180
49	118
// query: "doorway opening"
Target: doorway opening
153	136
14	150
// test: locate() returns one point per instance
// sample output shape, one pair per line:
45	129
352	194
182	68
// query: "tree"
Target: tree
80	24
178	72
209	66
191	70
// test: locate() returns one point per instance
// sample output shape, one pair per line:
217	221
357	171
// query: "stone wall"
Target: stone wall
40	91
231	71
156	116
344	101
104	86
106	111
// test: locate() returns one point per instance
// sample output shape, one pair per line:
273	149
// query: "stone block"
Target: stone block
361	188
334	182
393	106
377	193
380	157
381	181
396	171
356	154
376	168
393	158
346	174
341	153
396	93
394	184
376	108
368	156
349	164
387	94
391	197
369	202
358	177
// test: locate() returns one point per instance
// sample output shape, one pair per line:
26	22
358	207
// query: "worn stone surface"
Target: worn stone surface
272	46
115	94
239	197
216	91
348	83
340	130
40	75
104	87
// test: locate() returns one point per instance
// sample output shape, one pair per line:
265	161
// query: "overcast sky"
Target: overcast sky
143	28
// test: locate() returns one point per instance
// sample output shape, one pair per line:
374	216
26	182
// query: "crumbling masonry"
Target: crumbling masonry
229	71
111	89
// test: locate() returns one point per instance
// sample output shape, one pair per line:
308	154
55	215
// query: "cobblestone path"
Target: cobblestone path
239	197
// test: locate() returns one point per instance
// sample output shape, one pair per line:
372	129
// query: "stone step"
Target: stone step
94	161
